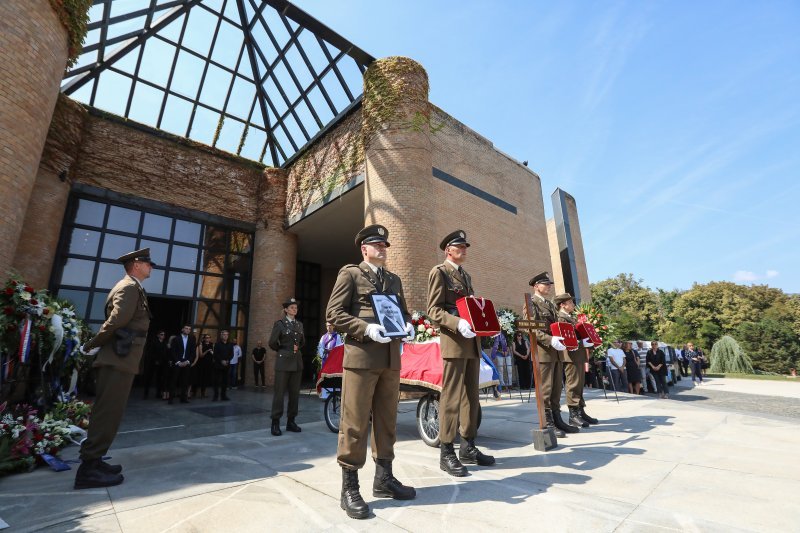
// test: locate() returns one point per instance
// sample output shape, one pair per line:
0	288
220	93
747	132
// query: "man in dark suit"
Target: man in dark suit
287	338
120	343
183	352
371	372
391	321
461	355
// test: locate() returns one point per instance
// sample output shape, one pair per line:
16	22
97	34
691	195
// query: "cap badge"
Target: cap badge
461	234
381	231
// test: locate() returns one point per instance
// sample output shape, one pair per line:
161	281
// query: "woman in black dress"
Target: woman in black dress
632	369
657	363
203	368
522	357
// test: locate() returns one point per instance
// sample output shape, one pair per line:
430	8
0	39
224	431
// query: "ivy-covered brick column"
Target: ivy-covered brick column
398	168
274	265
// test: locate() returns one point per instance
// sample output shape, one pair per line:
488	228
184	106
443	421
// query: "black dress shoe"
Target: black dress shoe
109	469
449	462
386	485
469	454
291	426
351	500
225	399
276	427
91	476
548	416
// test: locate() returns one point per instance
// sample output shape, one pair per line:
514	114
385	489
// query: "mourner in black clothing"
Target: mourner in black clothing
183	352
156	362
522	357
657	363
223	353
632	368
259	355
204	366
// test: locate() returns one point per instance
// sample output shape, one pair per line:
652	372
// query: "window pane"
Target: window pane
90	213
79	298
215	238
212	261
115	246
98	306
122	219
240	242
158	251
183	257
84	242
108	274
155	283
157	226
210	287
77	272
180	284
187	232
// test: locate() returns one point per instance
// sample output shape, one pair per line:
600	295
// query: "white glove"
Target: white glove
410	333
377	333
465	329
556	343
90	352
587	343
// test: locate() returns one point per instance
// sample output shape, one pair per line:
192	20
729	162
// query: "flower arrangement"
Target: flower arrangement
508	318
74	412
423	327
593	314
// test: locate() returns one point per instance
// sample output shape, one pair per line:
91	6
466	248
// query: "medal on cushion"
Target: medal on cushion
481	305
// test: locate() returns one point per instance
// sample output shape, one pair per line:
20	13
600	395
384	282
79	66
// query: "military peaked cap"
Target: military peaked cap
290	301
142	255
563	297
544	277
457	237
372	234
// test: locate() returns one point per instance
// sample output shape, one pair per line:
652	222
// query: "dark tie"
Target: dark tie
380	277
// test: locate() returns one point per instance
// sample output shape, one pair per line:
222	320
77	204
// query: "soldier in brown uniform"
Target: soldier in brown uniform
551	356
120	342
574	367
287	338
461	354
371	375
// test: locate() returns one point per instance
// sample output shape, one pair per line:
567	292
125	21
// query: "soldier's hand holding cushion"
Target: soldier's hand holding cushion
556	343
465	329
410	334
587	343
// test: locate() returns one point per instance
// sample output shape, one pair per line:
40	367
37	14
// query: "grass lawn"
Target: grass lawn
755	376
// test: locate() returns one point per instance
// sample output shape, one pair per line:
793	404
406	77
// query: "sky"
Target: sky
675	125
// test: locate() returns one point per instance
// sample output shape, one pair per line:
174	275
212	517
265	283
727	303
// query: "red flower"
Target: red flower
605	327
42	327
45	311
29	289
8	310
38	437
11	327
9	291
34	301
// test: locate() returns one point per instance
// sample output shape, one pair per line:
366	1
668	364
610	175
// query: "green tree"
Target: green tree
728	356
634	307
773	345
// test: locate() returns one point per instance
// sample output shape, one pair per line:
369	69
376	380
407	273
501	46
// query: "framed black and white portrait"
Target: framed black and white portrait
388	314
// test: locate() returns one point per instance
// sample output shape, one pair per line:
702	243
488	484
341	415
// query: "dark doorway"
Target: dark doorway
307	292
169	314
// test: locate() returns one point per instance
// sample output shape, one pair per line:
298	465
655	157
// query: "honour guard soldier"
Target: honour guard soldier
371	371
287	339
461	355
120	343
574	366
551	356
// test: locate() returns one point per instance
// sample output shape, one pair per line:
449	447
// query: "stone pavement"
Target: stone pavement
652	465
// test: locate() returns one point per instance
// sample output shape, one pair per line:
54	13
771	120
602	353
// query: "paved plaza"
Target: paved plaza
652	465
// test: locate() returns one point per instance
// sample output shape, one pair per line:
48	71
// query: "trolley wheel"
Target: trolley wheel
428	419
332	409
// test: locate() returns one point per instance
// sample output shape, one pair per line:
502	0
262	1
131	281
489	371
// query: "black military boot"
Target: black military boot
291	426
449	462
386	485
587	417
548	416
351	500
559	422
575	418
276	427
469	454
91	476
107	468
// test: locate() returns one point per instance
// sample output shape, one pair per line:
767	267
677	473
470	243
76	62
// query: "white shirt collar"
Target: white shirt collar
372	267
134	278
537	295
455	266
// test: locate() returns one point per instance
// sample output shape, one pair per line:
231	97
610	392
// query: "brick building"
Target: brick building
250	194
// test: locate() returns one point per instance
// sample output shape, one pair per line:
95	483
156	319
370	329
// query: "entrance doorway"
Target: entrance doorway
169	314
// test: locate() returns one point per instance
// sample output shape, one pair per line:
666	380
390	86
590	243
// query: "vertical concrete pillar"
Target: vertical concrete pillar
33	54
398	169
41	228
274	265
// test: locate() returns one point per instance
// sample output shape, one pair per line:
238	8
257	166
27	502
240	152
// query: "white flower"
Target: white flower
25	295
429	331
421	328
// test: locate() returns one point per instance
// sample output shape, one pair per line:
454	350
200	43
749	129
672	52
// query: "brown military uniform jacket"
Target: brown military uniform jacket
285	335
545	310
445	286
578	356
350	311
126	307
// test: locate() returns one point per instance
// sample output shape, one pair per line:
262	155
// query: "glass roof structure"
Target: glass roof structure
257	78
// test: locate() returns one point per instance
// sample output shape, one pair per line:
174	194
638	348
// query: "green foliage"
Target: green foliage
635	308
74	16
728	356
772	345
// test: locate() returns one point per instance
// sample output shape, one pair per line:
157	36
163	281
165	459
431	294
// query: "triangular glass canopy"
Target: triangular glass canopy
258	78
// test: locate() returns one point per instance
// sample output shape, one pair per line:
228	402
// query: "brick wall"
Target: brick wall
33	54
